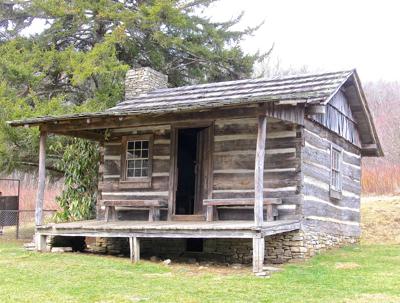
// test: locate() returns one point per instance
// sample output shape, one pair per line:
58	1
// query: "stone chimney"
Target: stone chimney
143	80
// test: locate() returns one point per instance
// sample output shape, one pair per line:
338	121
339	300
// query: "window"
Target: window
336	173
136	158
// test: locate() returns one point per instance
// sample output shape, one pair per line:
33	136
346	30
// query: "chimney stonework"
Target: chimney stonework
143	80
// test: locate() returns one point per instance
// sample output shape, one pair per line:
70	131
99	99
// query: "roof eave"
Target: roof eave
375	148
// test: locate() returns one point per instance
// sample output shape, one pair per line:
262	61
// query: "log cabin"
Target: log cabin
243	171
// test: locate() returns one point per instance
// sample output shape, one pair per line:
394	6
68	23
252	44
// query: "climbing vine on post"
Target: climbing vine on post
80	163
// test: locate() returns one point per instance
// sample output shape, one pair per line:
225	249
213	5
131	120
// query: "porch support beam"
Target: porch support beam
134	246
41	242
258	253
259	171
41	180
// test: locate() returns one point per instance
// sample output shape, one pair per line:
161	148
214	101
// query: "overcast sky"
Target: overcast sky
324	34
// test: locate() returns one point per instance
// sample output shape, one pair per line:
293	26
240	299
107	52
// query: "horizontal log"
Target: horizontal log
246	181
235	202
313	208
133	121
279	193
250	144
318	224
114	185
237	161
134	203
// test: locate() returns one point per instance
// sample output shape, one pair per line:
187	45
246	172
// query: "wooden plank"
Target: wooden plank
172	182
236	161
88	135
41	244
315	109
188	218
151	120
134	203
209	171
243	201
258	254
41	179
259	171
246	181
210	213
134	245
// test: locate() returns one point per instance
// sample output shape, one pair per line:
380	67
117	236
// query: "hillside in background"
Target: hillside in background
380	220
382	175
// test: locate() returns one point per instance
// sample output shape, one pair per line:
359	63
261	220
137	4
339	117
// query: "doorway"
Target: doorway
191	168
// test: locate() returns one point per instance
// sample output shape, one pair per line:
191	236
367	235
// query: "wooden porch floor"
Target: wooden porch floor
169	229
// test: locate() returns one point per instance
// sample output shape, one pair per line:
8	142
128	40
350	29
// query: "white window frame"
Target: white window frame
142	181
336	189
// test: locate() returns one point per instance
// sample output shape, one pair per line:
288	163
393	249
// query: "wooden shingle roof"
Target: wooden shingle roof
308	89
313	89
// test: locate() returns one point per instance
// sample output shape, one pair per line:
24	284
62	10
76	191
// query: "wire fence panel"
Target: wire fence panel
20	224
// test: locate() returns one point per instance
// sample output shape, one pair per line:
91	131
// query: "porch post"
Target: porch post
134	246
259	171
258	253
41	180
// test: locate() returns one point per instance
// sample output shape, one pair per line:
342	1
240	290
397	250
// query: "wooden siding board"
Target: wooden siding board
339	119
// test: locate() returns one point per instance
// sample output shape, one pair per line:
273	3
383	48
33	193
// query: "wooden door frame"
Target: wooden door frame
207	166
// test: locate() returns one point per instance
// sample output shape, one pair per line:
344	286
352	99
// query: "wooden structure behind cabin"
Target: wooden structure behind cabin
268	167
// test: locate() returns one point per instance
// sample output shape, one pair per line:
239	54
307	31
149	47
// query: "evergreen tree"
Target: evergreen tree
77	59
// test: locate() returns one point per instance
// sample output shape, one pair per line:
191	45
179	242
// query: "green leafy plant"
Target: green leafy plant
80	162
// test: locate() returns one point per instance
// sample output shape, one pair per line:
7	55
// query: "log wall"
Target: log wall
234	158
109	185
233	165
321	212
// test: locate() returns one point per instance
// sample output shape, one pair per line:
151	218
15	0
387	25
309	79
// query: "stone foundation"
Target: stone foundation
299	245
296	245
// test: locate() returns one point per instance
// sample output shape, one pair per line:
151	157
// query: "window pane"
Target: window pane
131	145
137	172
138	163
129	154
145	154
145	144
129	173
145	172
138	144
138	154
145	163
131	164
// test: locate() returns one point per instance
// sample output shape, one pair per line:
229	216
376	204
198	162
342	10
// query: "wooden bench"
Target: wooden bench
270	204
153	206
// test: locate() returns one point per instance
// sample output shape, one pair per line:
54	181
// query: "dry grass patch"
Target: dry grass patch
380	220
374	298
347	265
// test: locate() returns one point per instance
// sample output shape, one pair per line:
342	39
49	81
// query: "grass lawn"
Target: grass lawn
369	273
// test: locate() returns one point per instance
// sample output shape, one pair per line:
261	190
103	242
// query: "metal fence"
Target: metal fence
20	224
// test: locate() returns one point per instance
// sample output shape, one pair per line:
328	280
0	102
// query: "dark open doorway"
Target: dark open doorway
188	168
